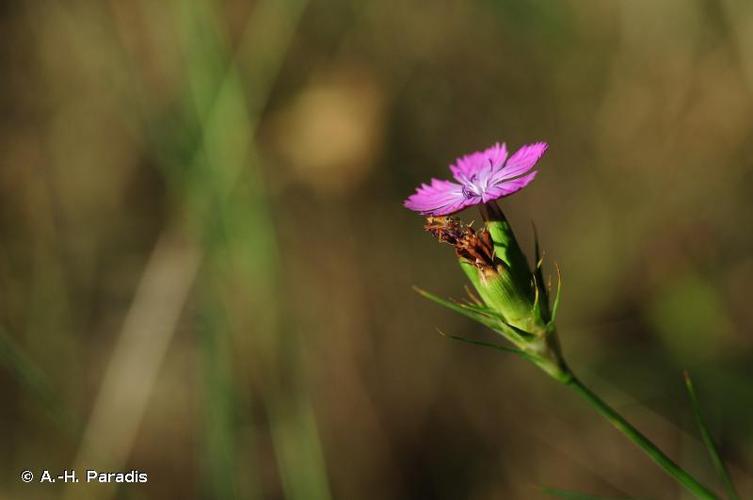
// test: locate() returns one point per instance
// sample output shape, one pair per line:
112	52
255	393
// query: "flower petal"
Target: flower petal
466	167
438	198
510	186
480	164
497	155
521	162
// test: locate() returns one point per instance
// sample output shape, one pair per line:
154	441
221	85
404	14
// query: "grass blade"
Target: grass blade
36	383
721	469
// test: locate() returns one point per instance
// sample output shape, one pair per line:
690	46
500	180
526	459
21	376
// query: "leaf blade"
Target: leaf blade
708	441
481	314
538	274
466	311
556	303
490	345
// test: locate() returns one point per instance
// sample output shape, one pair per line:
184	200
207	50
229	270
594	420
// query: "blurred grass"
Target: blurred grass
33	381
708	441
276	139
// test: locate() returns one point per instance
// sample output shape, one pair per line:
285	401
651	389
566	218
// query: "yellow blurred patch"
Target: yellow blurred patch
329	135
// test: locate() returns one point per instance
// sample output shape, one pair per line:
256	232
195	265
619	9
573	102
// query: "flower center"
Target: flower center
473	188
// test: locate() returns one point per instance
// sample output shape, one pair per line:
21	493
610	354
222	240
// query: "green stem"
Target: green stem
678	473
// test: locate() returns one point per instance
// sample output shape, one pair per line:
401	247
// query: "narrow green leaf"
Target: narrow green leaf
721	469
556	304
494	315
466	310
538	273
491	345
481	314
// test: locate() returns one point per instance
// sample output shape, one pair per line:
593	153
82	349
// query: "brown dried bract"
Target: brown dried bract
474	246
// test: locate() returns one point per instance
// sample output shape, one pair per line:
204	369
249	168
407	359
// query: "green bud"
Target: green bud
513	296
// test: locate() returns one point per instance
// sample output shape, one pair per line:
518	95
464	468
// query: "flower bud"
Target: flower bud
496	266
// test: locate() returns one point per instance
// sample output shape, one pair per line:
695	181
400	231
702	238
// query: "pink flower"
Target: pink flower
481	177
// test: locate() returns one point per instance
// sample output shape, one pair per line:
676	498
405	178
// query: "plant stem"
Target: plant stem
678	473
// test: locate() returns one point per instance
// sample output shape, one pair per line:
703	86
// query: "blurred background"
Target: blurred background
206	270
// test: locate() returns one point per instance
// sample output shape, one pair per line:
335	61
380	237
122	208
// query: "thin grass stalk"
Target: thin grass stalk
679	474
235	221
708	441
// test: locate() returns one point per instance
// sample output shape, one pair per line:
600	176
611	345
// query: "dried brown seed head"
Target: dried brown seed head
474	246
